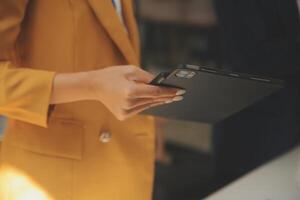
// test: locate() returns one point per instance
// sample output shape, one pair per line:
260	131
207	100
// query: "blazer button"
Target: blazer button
105	137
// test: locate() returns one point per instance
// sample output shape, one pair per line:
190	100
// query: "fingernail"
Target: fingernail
169	101
179	98
180	92
154	105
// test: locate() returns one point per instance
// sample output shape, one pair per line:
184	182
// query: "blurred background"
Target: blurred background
256	37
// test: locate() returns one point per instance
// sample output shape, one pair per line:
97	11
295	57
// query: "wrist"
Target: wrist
86	83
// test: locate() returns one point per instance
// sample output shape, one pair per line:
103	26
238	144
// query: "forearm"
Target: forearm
71	87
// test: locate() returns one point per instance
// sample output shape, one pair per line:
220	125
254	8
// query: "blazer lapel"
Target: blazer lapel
131	25
108	17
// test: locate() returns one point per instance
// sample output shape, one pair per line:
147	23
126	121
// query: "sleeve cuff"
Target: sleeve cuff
27	95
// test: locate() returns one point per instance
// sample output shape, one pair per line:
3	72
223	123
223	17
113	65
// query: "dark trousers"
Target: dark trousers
256	135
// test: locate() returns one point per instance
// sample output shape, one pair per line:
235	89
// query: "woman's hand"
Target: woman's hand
125	91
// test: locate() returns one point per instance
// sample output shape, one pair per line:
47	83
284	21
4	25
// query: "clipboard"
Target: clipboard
211	94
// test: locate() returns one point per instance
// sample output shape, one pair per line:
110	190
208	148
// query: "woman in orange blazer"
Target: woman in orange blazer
70	89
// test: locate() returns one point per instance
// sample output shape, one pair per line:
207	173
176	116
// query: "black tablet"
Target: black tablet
212	94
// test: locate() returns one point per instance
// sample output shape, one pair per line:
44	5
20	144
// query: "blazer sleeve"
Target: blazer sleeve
24	93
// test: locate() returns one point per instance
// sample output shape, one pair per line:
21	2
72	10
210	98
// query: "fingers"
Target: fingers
126	113
142	90
150	91
133	103
140	75
139	109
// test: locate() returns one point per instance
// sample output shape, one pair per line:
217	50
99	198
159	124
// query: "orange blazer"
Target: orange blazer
79	151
